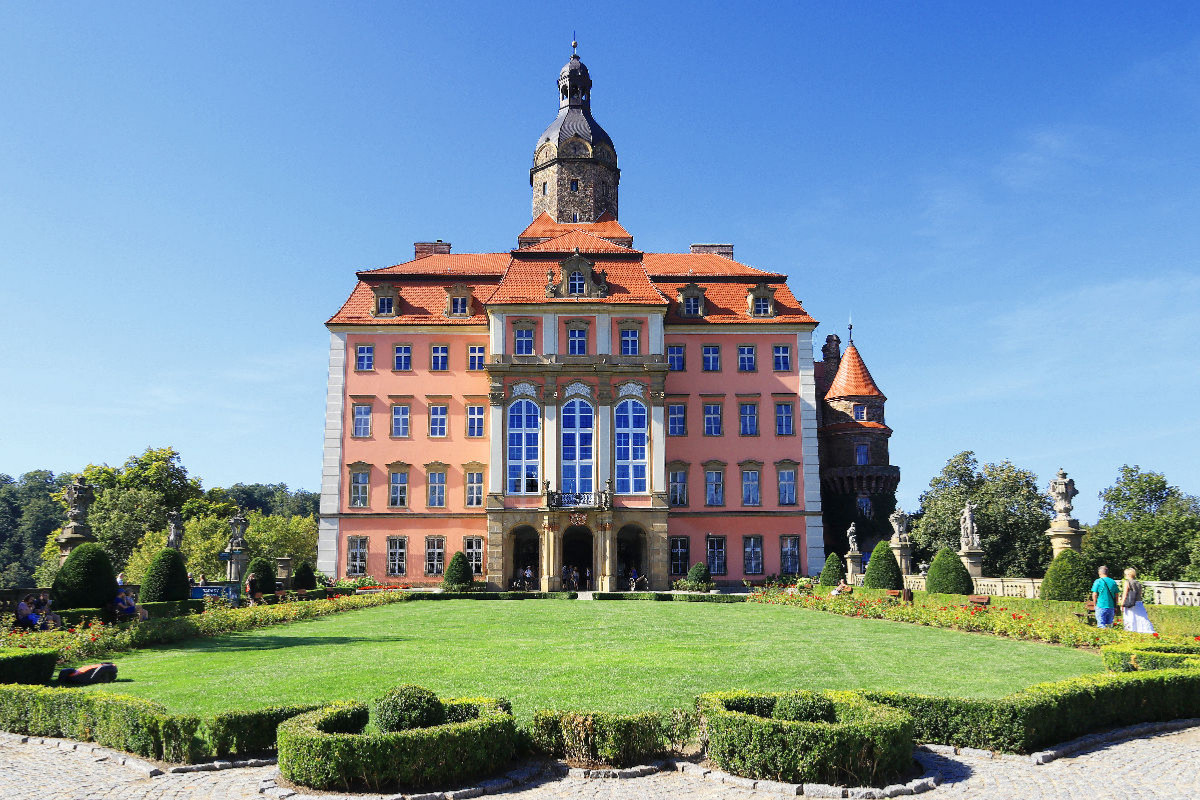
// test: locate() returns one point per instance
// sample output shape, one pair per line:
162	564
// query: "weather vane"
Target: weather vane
574	44
850	328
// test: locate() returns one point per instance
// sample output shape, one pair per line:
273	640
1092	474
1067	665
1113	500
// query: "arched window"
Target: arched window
577	425
524	423
575	283
631	447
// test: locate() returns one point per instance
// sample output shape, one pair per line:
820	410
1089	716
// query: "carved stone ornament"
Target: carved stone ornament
524	388
577	387
578	518
899	522
630	388
852	537
79	496
1063	491
968	531
174	530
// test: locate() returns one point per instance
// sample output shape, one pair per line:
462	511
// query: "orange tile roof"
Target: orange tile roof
447	264
576	240
422	302
525	282
853	379
544	227
847	427
725	303
664	265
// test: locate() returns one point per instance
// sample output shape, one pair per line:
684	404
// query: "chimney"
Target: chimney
430	248
723	250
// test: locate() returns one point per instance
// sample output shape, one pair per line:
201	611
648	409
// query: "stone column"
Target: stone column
903	553
497	578
550	438
607	581
853	566
972	559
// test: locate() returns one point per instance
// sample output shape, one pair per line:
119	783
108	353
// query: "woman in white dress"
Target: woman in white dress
1135	616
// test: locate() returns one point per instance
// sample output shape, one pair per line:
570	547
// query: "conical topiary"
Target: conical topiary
699	574
86	579
947	575
305	577
882	570
458	577
166	578
834	571
1067	578
264	571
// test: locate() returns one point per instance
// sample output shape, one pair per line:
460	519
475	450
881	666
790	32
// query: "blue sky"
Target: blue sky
1005	197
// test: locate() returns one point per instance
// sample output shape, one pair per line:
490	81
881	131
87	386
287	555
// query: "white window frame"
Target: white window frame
632	463
523	341
676	419
710	354
717	555
364	357
576	284
676	357
473	550
753	562
714	487
474	486
360	489
401	419
435	555
631	341
523	475
459	306
385	306
679	548
752	487
439	420
475	419
713	424
577	341
789	549
747	358
476	357
578	471
362	420
862	454
402	358
748	419
435	489
398	489
439	354
785	412
787	497
677	488
782	352
860	412
691	306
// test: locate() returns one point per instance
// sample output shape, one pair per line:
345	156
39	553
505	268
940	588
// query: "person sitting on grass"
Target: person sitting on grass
41	607
841	588
26	616
125	608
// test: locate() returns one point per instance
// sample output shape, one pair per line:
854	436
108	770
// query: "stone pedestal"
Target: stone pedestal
903	554
73	534
235	568
853	566
1065	534
283	571
973	560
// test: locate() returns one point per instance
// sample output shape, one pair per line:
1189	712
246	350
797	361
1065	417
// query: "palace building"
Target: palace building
577	401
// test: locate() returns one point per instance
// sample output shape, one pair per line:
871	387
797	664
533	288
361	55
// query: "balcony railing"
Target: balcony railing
508	359
578	499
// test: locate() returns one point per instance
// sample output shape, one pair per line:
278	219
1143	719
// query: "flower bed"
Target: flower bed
807	737
328	748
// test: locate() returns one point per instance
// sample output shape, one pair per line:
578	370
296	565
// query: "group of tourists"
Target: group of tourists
1108	596
572	581
33	613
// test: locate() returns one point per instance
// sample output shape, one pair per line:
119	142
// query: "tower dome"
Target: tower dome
574	174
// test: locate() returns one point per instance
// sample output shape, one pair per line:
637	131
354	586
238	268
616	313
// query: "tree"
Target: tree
1012	515
458	577
948	575
833	572
166	579
143	556
1147	524
1068	578
121	516
86	579
882	570
264	570
305	577
29	512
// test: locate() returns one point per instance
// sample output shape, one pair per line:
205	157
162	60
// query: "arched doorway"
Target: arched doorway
526	552
631	555
578	547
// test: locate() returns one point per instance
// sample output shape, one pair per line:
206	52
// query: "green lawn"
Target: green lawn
621	655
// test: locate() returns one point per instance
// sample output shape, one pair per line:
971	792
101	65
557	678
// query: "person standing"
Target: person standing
1104	595
1133	610
253	594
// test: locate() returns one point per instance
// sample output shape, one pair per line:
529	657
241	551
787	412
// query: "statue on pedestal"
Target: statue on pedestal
968	531
900	522
852	537
174	530
237	546
79	496
1063	491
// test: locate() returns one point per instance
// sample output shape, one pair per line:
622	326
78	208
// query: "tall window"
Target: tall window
783	358
712	419
356	556
711	361
677	482
631	447
458	306
437	489
358	489
474	421
475	357
691	306
400	416
787	487
523	429
676	419
362	420
575	283
473	549
437	420
748	419
403	358
750	488
675	361
576	341
435	555
523	342
398	489
784	419
629	341
752	555
747	358
578	421
474	489
862	454
679	555
714	487
439	358
789	555
397	555
716	555
364	356
860	412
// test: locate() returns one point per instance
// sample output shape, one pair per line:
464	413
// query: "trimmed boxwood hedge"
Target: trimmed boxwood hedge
947	575
166	579
493	596
163	610
86	579
595	738
833	572
19	665
1067	578
867	744
327	748
669	596
883	572
1133	656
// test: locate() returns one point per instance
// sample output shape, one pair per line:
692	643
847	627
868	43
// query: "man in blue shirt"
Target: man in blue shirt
1104	595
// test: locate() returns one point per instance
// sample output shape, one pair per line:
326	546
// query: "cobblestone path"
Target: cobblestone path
1164	767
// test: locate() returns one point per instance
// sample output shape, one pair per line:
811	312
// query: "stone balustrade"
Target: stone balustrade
1165	593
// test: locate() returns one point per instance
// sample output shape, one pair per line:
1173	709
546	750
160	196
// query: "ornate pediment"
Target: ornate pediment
577	277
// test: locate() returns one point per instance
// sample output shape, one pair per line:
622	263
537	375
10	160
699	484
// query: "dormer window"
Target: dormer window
761	301
458	301
458	306
575	283
385	306
576	277
386	300
691	301
691	306
762	307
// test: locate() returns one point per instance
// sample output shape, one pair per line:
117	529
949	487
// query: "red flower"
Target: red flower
1155	635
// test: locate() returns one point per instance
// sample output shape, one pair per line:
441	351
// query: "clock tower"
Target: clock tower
574	174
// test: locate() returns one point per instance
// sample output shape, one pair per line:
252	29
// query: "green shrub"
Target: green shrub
327	748
834	571
305	577
882	570
86	579
698	579
947	575
1175	620
246	732
593	738
458	576
264	570
166	579
1067	578
408	706
1132	656
803	707
19	665
867	743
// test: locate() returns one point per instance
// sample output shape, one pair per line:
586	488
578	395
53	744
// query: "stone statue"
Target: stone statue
968	531
174	530
237	528
1063	490
923	567
852	537
79	496
899	522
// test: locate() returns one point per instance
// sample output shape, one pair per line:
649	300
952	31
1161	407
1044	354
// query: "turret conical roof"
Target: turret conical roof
853	379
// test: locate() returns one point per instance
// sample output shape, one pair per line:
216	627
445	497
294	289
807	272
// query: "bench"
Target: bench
893	592
1088	615
979	599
